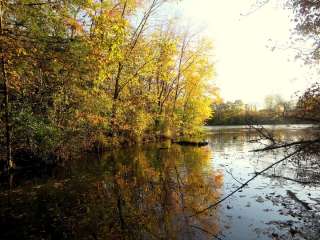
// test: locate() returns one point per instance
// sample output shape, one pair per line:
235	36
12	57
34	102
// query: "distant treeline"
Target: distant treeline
275	111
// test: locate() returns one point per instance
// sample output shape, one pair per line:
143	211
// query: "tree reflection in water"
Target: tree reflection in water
137	193
160	189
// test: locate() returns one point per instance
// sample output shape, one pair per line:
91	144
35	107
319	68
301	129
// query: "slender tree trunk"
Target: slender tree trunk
9	163
117	83
115	98
178	81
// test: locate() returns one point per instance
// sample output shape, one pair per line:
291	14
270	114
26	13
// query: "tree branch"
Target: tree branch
246	183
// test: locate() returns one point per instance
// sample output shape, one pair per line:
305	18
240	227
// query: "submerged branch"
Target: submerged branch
231	174
207	232
293	180
294	197
246	183
287	145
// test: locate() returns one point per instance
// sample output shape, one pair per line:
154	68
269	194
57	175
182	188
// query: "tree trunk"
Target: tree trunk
115	99
9	163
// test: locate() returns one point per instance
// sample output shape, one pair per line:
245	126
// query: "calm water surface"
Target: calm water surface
263	210
153	192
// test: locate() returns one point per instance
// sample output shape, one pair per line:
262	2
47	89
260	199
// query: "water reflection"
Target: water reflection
149	192
137	193
263	210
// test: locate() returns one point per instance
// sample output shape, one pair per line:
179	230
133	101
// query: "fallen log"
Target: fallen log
192	143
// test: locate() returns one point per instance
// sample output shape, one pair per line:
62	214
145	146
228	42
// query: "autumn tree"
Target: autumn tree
83	74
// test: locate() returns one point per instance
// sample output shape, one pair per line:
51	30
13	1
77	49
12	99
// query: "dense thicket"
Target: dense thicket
79	73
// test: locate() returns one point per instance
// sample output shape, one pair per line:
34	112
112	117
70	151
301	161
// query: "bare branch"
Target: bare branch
246	183
206	231
257	7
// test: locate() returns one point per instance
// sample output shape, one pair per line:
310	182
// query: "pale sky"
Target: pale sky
246	67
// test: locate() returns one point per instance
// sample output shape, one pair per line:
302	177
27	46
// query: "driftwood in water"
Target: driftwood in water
191	143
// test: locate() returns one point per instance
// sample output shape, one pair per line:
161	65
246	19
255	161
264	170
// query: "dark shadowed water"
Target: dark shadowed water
154	191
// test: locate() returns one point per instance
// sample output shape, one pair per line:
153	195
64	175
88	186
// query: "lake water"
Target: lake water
153	192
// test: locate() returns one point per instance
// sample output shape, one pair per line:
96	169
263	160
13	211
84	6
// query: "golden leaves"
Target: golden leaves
73	24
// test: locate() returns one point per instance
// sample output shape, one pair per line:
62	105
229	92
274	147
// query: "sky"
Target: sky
251	54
